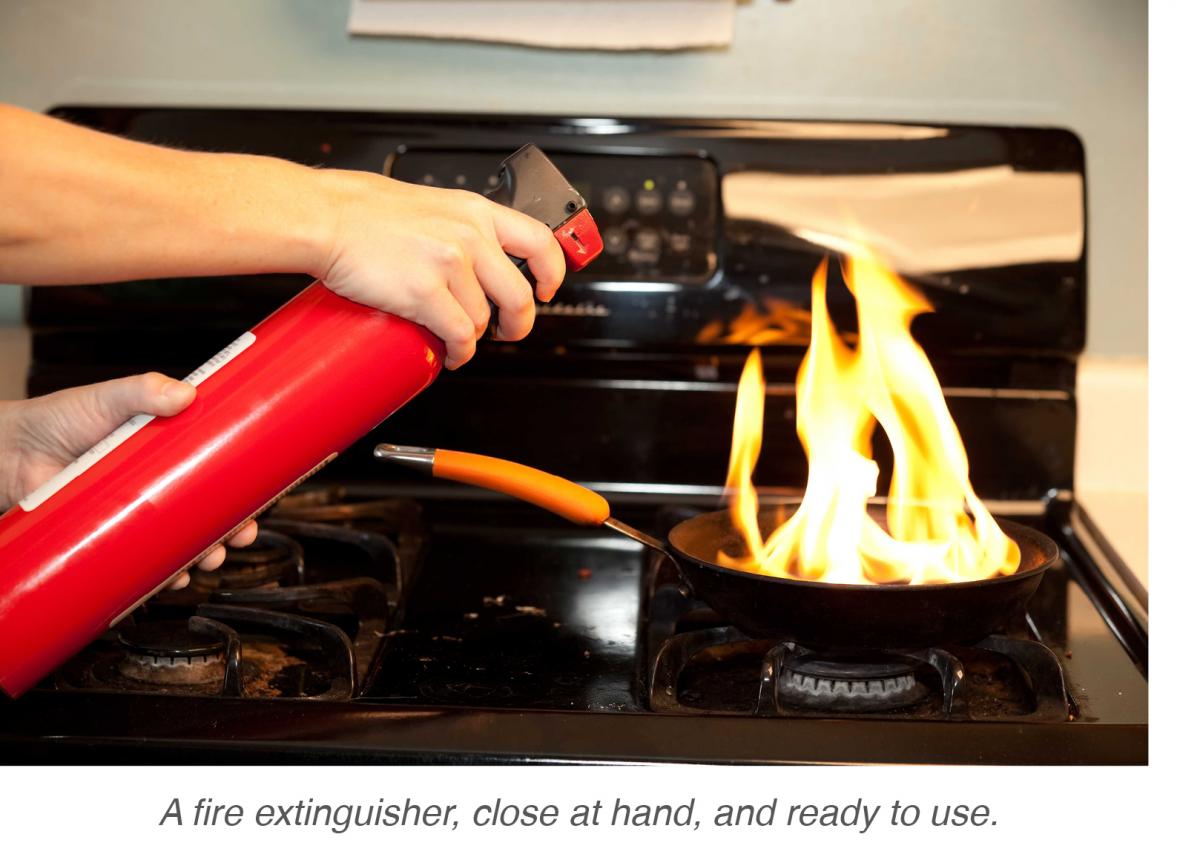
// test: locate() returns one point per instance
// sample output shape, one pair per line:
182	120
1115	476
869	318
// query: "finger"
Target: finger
531	240
180	581
465	288
509	290
212	559
152	393
244	536
441	313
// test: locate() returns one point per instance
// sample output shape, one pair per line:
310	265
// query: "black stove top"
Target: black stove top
379	629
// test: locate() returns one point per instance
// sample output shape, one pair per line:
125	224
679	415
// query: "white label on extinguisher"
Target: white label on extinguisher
109	443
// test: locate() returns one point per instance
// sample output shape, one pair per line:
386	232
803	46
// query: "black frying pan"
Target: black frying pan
810	612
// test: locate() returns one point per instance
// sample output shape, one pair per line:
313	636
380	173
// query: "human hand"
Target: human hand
41	436
435	256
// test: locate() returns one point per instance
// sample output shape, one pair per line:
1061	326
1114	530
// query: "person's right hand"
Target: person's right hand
435	256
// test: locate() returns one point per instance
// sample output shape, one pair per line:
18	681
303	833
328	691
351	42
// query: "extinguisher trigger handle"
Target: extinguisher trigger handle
529	182
523	268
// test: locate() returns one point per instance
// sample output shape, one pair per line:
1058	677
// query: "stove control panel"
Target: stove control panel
712	230
658	214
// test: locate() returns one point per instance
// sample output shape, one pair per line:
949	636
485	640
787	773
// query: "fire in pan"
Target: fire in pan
813	613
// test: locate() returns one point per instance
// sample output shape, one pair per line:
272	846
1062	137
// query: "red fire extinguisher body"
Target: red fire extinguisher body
80	552
301	389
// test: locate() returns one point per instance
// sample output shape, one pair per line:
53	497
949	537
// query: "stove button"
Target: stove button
679	243
616	241
648	241
682	202
615	200
649	200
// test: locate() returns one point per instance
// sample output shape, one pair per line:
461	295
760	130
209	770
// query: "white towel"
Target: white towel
610	25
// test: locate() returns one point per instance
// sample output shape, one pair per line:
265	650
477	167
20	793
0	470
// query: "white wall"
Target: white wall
1074	63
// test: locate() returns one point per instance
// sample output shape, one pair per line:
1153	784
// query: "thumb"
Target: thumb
153	393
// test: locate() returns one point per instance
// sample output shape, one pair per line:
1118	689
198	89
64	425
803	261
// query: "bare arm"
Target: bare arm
81	206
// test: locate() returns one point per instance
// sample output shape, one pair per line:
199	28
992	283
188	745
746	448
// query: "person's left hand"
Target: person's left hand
41	436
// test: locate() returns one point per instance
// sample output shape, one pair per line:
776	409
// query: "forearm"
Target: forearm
80	206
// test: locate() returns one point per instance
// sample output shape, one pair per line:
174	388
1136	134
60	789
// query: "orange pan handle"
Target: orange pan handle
557	495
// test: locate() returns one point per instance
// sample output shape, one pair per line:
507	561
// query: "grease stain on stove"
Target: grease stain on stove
270	663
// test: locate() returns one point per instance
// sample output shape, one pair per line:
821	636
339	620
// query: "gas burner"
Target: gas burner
299	613
182	657
391	517
222	652
698	664
325	513
718	670
171	653
272	559
862	683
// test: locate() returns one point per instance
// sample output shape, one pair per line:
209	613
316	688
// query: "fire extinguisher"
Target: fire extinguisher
82	551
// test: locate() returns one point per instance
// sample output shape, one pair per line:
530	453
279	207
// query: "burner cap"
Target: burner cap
169	640
272	558
852	682
171	654
267	548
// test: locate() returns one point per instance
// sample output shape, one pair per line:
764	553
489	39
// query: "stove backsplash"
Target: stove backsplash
711	238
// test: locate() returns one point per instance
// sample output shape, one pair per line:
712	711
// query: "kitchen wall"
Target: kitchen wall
1074	63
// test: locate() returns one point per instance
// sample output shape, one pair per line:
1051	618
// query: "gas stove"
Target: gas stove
389	617
506	636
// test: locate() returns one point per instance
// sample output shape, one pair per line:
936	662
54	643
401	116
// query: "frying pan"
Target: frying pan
813	613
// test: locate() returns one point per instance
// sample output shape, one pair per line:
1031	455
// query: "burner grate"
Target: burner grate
721	671
694	663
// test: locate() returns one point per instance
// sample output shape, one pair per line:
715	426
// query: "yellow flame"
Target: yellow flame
778	322
937	528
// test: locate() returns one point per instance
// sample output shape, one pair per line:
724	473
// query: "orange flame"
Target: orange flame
937	528
780	322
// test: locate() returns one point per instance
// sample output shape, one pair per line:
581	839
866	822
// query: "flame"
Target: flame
777	322
937	528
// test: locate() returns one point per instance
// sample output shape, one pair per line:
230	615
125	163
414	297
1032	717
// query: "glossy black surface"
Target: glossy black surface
515	612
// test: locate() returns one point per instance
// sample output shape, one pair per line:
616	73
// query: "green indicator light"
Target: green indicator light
648	184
